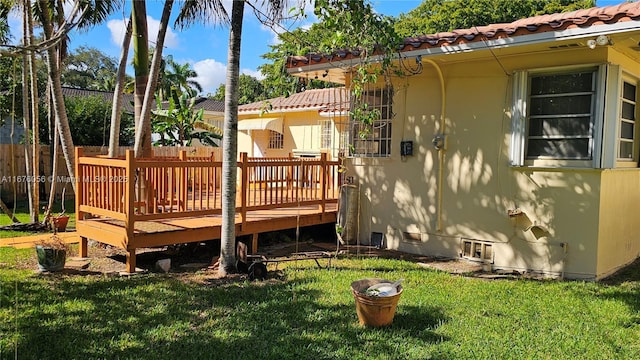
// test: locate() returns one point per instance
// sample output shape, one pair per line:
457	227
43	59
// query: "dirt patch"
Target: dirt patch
198	257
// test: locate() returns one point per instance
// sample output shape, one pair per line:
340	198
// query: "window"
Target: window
557	118
326	132
627	118
373	140
561	115
276	140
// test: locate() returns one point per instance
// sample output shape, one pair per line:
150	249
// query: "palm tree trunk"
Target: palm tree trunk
230	142
58	100
116	110
143	138
8	212
26	115
140	66
35	183
55	144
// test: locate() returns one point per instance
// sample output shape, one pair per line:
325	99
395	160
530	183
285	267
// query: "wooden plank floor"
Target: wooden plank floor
191	229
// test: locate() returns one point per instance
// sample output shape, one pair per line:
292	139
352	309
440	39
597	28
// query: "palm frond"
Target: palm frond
207	11
208	127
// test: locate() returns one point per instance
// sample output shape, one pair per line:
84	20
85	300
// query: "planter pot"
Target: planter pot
60	222
50	259
375	311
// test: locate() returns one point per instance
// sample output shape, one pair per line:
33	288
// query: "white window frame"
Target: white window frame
633	160
326	134
276	140
378	138
520	122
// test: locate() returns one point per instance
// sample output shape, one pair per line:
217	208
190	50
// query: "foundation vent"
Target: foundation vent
477	250
409	236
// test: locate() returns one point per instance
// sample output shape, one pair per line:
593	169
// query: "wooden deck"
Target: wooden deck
132	203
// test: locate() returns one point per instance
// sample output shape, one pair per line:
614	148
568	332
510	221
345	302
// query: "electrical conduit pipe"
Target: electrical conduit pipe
442	149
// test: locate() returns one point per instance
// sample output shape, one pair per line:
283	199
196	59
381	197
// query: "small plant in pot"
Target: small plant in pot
57	223
52	252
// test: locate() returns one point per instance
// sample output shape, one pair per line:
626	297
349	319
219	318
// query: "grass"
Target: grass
309	313
22	214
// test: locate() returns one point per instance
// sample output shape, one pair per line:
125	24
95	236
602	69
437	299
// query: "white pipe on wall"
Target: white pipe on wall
442	149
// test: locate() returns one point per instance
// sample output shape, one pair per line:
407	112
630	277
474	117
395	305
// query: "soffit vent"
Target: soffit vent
565	46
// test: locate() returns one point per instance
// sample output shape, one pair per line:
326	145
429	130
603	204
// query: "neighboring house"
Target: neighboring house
304	124
213	111
525	146
127	100
213	114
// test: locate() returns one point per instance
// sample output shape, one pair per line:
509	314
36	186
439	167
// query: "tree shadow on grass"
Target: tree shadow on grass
156	316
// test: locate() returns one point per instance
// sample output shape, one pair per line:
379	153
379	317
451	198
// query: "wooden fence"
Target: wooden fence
13	177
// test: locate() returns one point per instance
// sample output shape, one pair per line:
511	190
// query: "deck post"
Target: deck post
129	198
131	261
82	249
182	205
254	244
79	187
290	172
244	187
323	181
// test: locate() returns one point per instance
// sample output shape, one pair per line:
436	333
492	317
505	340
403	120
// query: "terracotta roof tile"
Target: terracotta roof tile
323	100
537	24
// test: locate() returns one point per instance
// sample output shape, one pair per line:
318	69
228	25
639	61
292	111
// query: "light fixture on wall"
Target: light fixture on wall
601	40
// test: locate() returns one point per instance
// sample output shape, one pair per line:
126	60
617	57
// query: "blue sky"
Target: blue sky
205	46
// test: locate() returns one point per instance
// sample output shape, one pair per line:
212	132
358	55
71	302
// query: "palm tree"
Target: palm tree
181	76
143	135
59	111
180	124
27	37
230	143
140	64
201	9
92	12
116	113
35	205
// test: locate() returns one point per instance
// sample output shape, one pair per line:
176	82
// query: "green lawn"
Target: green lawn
22	214
309	313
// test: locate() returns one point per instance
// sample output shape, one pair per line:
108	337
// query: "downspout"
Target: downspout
440	143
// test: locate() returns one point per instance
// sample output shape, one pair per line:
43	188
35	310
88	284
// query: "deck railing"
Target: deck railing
131	189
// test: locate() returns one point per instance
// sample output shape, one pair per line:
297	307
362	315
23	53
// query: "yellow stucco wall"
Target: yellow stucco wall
301	130
573	236
619	233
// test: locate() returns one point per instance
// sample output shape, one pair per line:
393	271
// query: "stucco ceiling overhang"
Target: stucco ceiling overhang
266	123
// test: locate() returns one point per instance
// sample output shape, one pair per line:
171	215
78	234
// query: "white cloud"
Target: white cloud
255	73
118	28
170	39
210	75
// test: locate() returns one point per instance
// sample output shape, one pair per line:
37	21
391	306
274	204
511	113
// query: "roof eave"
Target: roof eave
574	33
272	112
